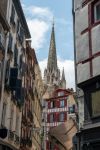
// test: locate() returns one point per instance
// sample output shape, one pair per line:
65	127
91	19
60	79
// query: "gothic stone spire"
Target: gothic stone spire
52	58
63	75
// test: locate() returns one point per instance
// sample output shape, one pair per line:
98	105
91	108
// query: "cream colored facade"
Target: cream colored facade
37	109
10	116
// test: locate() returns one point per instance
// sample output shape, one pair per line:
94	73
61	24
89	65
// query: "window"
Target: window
51	118
7	72
97	11
60	93
15	56
61	117
3	114
62	103
52	104
72	109
10	42
95	96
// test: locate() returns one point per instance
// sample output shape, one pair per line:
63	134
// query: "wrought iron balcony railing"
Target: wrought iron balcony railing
11	135
30	115
17	140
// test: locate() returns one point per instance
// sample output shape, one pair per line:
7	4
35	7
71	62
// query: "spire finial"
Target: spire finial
53	21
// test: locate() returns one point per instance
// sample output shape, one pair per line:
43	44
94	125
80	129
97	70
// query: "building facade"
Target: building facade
86	16
13	34
32	110
58	110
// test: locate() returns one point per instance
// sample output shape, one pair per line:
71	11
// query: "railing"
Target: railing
23	142
29	142
30	115
31	93
24	120
17	140
11	135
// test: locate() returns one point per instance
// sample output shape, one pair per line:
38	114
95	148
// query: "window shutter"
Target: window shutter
48	118
13	78
65	102
58	103
57	117
10	42
19	90
65	116
49	104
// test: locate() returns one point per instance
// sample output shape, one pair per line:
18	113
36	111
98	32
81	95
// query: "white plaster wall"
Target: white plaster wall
83	72
96	39
77	4
96	66
82	47
81	20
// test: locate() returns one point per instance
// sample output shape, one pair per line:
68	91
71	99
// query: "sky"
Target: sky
39	15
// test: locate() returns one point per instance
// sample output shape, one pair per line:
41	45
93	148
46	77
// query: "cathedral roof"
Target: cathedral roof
52	58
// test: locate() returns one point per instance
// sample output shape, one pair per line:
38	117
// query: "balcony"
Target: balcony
11	135
31	93
29	142
17	140
23	142
30	115
24	120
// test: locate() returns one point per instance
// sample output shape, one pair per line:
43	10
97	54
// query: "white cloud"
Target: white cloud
68	67
38	19
40	12
38	30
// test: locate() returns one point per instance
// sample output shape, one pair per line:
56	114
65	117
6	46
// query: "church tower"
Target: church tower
52	73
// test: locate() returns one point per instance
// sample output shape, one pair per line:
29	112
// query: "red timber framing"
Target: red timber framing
91	24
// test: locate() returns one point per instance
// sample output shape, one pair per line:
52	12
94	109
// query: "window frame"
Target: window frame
95	11
62	102
98	115
60	117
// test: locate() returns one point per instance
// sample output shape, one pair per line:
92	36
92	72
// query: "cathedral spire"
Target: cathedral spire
63	80
63	75
52	58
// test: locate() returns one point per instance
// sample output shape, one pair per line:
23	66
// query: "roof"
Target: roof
22	18
65	136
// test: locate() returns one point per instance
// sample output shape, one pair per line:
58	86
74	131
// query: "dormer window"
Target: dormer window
97	11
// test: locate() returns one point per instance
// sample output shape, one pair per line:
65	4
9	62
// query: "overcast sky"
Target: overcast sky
39	15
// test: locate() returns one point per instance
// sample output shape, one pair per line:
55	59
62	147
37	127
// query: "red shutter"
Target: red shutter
49	104
48	118
65	116
58	103
47	145
57	117
65	102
